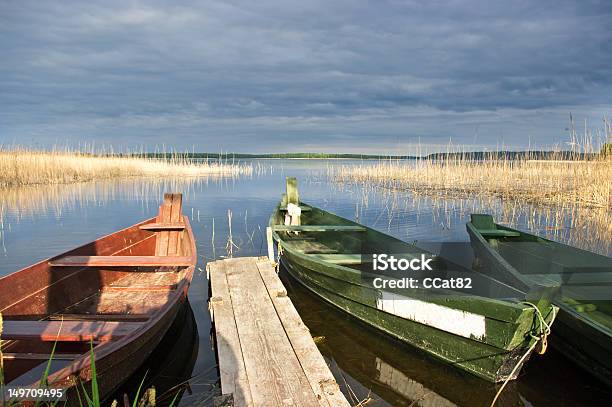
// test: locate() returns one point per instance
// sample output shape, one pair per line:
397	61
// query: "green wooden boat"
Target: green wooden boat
583	330
490	338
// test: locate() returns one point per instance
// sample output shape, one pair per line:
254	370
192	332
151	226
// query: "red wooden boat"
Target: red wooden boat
120	292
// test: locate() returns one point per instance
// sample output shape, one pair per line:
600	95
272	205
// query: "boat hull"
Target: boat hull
118	295
481	359
487	330
583	342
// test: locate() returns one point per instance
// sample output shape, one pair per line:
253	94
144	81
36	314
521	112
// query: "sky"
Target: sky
386	77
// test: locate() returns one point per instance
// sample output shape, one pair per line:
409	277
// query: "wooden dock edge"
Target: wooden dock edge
234	339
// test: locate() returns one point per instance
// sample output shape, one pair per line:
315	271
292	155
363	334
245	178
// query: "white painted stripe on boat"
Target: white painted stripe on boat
451	320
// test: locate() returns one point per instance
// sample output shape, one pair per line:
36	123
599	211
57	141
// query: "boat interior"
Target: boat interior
323	236
97	293
585	277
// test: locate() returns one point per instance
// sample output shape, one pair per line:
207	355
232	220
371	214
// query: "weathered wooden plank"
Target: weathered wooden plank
302	207
319	376
99	317
319	228
163	226
275	375
357	258
72	331
175	217
39	356
308	246
231	362
339	258
161	245
498	233
121	261
162	287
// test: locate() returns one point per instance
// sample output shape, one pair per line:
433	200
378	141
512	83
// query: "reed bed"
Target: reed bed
586	183
579	226
27	167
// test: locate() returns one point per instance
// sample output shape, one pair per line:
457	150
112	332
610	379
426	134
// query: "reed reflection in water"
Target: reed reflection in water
586	228
41	221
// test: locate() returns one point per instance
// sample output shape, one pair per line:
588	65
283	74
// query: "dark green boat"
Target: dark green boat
583	330
489	331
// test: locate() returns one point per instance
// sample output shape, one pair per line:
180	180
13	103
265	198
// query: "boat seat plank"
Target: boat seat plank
67	331
163	226
337	258
307	246
356	258
579	278
300	238
39	356
593	271
99	317
498	233
126	288
121	261
302	208
318	228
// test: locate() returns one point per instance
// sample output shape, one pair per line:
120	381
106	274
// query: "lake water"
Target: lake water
38	222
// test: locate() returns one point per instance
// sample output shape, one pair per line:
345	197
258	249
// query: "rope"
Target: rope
543	336
544	328
520	362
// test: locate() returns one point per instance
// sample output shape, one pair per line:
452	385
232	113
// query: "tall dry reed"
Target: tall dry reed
27	167
581	176
582	182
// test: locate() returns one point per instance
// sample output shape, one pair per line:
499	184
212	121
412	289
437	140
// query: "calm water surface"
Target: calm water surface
42	221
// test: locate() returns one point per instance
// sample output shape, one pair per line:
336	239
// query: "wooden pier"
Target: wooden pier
266	354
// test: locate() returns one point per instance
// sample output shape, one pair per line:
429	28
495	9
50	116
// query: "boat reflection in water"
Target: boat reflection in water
393	374
170	366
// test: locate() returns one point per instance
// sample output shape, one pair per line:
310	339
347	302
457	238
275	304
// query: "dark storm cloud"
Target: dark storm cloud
279	75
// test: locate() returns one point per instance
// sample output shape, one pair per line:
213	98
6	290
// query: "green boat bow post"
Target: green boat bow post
489	331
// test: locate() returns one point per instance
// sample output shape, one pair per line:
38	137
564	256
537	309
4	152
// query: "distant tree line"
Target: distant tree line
230	156
471	155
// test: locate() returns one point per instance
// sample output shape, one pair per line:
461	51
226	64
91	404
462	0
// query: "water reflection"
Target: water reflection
170	366
38	222
391	373
586	228
32	200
